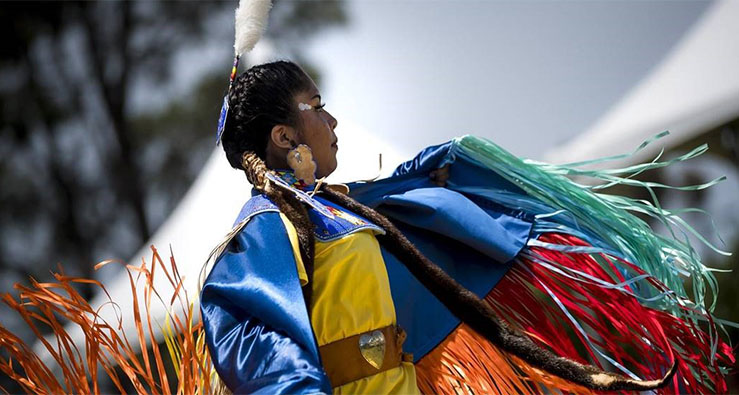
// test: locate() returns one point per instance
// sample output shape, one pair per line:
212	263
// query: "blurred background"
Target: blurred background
108	109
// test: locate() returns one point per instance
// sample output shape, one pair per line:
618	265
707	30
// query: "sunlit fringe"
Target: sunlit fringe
466	363
107	346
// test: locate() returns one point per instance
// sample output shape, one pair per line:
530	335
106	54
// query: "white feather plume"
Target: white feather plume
251	21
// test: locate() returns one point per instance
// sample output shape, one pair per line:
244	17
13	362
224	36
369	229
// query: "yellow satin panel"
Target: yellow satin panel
351	295
351	291
292	235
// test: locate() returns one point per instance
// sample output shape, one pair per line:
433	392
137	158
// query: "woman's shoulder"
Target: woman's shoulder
257	204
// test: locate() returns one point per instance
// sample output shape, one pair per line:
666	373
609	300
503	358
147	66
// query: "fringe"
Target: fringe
466	363
582	319
48	307
606	221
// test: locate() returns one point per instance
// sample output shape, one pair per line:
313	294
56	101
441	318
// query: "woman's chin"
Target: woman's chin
327	170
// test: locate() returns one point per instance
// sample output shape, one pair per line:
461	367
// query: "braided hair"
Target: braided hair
263	97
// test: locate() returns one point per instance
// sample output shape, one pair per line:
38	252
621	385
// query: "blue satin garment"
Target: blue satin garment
468	235
256	323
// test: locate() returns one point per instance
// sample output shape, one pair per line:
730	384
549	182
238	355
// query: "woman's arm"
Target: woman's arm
256	324
250	357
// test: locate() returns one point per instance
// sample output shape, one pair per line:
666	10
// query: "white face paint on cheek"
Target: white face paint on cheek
304	107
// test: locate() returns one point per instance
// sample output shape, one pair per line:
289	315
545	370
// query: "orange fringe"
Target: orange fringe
466	363
107	348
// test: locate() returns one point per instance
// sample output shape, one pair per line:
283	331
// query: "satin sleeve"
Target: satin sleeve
430	158
256	325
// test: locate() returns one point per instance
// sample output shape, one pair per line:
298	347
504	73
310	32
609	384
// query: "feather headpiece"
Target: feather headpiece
251	21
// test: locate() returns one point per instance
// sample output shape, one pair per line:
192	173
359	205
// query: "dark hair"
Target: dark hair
269	89
261	98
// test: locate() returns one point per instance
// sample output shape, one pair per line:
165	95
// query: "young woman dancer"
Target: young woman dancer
491	277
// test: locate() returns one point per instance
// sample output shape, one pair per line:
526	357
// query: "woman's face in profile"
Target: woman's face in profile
316	130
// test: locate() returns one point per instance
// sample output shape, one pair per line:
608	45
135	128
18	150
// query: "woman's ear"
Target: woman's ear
283	136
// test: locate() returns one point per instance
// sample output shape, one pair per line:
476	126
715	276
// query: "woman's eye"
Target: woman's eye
319	107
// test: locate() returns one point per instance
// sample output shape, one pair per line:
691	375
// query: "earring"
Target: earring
300	159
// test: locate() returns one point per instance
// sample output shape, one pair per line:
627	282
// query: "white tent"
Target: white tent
694	89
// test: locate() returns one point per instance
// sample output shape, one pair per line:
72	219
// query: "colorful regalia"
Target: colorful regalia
572	269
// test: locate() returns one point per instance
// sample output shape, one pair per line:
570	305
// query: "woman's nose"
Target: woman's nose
332	121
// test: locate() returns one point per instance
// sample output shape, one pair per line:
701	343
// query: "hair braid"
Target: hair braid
288	204
477	314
